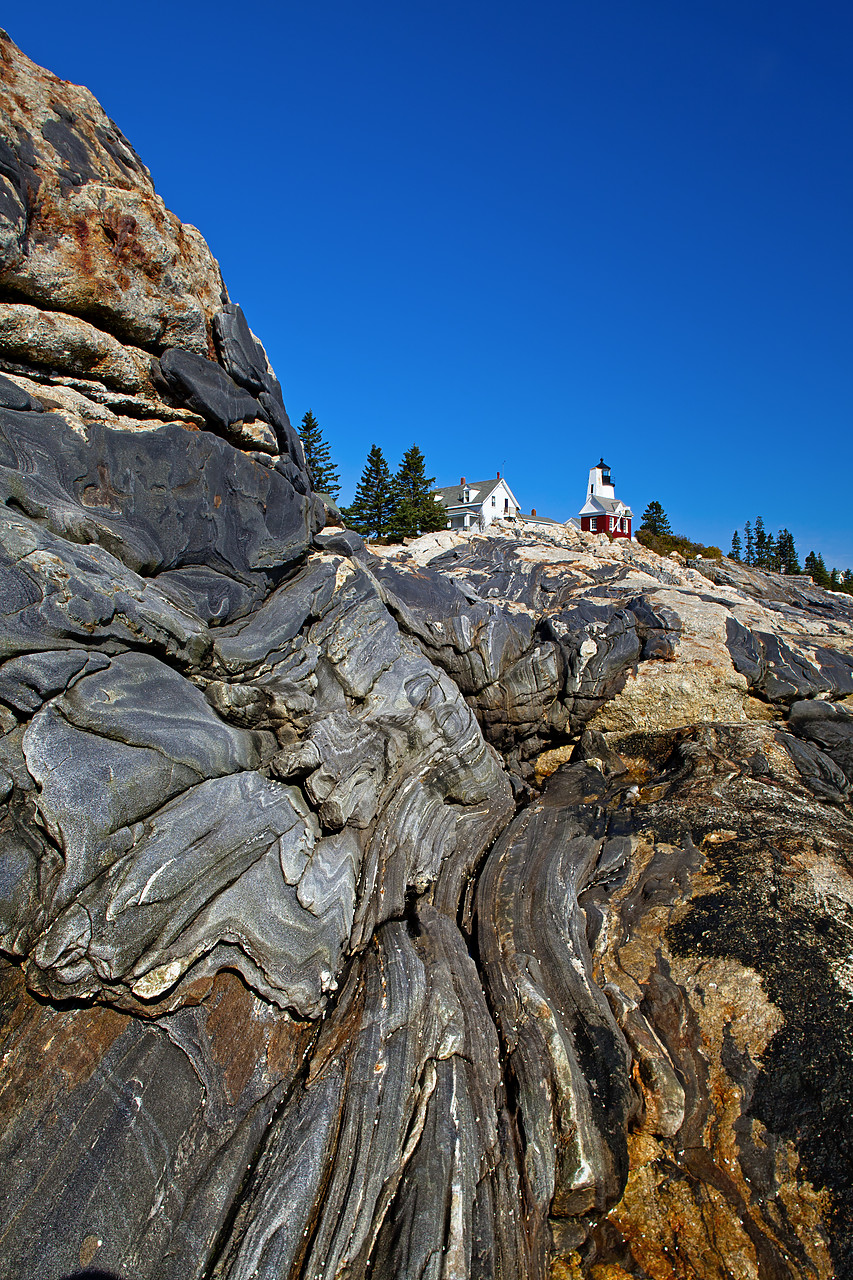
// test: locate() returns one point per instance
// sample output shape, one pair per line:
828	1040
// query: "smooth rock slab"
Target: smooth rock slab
13	397
115	748
161	499
57	594
828	724
220	864
128	1157
206	388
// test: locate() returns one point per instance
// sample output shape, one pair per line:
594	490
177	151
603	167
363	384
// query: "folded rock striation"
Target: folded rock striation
476	908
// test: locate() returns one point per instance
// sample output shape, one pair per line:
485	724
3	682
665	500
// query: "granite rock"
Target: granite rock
84	231
51	340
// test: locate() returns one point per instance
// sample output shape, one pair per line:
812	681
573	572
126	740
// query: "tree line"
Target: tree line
760	548
385	506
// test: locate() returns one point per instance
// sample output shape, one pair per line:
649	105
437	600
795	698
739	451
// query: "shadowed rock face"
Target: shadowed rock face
479	908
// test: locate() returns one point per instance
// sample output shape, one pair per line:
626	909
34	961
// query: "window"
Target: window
467	496
506	504
494	501
593	523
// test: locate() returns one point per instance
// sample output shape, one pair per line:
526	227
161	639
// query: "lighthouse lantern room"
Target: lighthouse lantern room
603	512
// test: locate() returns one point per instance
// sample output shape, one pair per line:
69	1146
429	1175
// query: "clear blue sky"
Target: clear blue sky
523	234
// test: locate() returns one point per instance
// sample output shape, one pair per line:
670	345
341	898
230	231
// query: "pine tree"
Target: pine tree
373	504
749	543
786	552
770	557
416	510
655	521
317	455
760	551
737	546
816	567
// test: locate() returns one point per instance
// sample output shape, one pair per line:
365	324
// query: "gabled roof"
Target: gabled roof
449	495
598	505
480	490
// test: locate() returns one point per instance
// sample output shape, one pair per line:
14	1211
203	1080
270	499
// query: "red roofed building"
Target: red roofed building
603	512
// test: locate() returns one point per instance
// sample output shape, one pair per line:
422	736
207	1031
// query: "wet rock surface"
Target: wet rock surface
476	908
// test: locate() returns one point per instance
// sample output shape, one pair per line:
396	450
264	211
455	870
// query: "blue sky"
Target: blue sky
523	235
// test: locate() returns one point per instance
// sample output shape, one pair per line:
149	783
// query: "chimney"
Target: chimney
499	475
462	481
533	511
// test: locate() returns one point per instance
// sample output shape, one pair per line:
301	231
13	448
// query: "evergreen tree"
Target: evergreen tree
749	543
816	567
760	552
373	504
786	553
323	471
770	557
835	581
655	521
416	511
737	546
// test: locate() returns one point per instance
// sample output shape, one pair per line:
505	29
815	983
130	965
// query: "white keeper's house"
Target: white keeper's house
474	504
603	512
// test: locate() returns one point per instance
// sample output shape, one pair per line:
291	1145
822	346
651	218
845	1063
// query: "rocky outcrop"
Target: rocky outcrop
477	908
547	632
83	231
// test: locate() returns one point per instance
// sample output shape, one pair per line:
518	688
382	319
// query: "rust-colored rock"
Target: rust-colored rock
83	230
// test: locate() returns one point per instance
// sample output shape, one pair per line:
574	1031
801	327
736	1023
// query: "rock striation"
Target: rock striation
476	908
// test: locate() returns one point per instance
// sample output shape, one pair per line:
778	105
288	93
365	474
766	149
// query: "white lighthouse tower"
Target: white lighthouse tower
603	512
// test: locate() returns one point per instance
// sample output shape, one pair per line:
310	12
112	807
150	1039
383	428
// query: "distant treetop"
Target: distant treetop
323	471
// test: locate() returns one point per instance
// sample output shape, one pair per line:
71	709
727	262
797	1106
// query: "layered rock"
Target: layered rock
478	908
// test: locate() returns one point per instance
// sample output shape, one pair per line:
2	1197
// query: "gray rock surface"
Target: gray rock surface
478	908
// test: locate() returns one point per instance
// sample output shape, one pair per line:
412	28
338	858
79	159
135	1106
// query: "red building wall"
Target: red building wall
605	525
